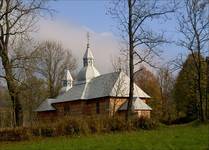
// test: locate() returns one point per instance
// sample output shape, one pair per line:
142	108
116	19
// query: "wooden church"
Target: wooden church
93	93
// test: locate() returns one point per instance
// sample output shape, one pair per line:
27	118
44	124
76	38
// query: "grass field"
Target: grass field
182	137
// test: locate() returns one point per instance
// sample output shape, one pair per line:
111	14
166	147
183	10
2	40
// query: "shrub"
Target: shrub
14	134
71	127
96	124
183	120
116	124
47	131
77	126
145	123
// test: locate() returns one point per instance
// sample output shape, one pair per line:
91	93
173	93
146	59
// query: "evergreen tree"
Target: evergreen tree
185	88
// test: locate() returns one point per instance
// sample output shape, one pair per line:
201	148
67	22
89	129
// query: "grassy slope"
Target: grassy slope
166	138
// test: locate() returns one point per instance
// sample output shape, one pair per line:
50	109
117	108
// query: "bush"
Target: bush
47	132
183	120
14	134
43	130
97	124
71	126
145	123
116	124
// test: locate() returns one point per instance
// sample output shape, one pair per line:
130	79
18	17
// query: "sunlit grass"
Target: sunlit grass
183	137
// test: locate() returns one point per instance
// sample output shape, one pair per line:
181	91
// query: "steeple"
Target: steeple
88	59
88	71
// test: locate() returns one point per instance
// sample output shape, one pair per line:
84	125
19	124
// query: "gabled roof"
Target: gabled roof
46	105
114	84
100	86
67	76
121	87
137	104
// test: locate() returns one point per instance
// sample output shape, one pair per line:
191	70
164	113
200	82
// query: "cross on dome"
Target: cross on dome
88	39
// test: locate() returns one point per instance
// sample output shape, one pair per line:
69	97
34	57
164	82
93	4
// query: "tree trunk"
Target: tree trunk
18	112
16	106
199	69
207	88
131	66
199	94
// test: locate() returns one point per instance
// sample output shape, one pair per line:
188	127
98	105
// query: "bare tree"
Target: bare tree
120	63
52	60
120	87
166	82
133	17
194	26
17	18
207	88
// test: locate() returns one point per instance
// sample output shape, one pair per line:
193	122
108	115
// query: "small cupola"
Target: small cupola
67	82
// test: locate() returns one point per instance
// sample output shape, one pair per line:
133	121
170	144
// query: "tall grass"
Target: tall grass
72	126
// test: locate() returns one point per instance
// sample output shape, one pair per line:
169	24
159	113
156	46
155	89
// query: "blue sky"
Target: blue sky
73	18
91	13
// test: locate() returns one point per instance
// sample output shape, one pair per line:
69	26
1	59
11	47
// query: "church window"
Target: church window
97	107
66	109
65	83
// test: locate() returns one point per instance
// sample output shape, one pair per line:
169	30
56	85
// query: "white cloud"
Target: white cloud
103	45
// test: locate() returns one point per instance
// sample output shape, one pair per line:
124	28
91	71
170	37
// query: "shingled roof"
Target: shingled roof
137	104
114	84
46	105
91	85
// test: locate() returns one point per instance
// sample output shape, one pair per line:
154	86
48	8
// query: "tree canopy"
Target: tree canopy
185	88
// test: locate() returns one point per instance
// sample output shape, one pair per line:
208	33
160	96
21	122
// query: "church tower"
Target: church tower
88	59
88	71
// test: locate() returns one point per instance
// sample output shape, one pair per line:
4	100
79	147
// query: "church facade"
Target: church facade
94	94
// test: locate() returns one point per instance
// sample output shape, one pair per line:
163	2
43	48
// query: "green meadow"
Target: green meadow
179	137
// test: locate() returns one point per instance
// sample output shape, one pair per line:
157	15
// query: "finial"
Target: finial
119	63
88	38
